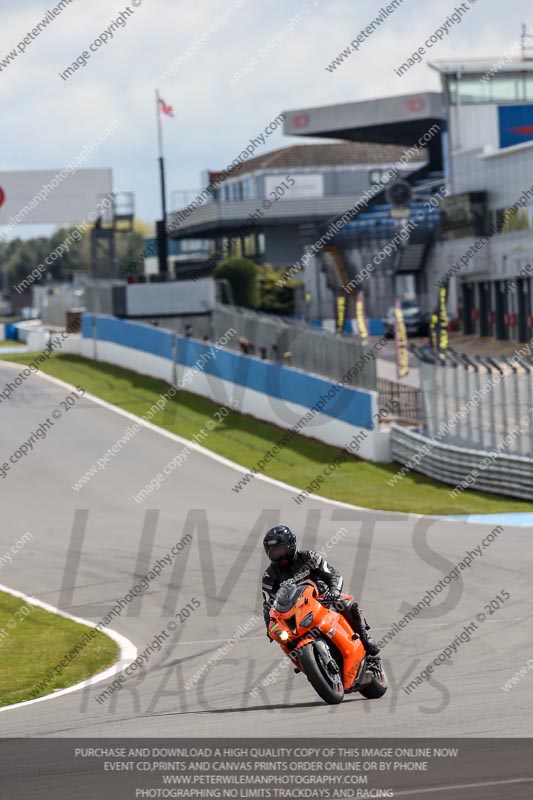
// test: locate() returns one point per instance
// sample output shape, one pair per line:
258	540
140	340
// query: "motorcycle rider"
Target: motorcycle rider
287	563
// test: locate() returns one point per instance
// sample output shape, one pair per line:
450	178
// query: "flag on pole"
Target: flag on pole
165	112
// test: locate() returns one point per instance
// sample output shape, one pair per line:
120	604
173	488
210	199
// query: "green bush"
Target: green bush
275	299
242	275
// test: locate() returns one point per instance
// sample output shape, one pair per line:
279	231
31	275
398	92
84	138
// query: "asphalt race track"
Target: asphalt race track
387	559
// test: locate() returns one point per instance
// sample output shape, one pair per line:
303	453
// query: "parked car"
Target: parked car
416	320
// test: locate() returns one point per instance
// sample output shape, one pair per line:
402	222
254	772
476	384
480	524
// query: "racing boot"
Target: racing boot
360	626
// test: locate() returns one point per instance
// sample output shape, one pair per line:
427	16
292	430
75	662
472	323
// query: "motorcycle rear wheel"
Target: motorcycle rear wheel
318	676
376	688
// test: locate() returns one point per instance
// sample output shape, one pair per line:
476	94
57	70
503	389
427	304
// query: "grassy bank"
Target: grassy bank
245	440
33	642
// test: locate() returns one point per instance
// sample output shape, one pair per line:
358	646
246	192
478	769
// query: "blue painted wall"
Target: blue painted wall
347	404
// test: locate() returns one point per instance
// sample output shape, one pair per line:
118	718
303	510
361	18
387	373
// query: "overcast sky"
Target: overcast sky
46	121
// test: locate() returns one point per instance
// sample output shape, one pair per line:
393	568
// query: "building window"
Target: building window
375	176
502	88
249	189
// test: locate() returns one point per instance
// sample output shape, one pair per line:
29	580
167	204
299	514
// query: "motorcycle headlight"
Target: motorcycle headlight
307	620
283	635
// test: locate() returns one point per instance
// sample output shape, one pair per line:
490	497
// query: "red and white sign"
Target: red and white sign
415	104
300	120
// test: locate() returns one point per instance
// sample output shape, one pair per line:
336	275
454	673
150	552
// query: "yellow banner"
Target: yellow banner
360	316
340	313
402	342
444	338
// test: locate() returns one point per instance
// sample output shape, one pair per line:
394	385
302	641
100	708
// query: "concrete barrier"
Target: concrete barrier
329	411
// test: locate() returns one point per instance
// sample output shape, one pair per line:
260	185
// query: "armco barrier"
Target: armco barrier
481	470
270	392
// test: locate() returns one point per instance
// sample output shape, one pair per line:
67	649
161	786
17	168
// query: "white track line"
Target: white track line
209	453
225	461
456	786
128	651
233	464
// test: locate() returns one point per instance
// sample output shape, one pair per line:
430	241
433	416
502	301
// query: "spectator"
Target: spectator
188	331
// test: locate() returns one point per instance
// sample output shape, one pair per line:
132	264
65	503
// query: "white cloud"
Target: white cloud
46	121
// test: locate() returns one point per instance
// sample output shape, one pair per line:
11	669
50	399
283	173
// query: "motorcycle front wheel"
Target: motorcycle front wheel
326	681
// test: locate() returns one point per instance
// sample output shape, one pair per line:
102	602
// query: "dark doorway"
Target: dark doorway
502	330
484	309
468	305
522	288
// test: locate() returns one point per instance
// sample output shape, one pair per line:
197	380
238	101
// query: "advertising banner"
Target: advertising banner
340	313
402	343
360	316
443	337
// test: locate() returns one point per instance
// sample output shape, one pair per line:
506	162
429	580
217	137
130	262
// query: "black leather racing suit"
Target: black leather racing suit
308	565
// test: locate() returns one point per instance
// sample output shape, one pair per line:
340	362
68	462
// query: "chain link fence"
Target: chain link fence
296	345
407	400
478	403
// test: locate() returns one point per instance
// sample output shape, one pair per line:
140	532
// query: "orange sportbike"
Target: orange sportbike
321	644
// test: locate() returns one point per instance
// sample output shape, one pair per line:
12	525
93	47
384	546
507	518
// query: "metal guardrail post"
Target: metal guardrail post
444	392
503	394
491	402
527	371
480	406
516	397
455	362
465	361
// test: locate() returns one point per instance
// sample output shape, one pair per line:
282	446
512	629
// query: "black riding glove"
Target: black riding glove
331	595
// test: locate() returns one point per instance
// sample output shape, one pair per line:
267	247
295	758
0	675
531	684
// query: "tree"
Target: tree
276	298
242	276
19	257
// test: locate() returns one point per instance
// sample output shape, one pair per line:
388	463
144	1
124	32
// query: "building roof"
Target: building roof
400	119
479	66
324	155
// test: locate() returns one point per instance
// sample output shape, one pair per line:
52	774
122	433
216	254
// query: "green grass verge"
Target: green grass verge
245	440
11	343
32	644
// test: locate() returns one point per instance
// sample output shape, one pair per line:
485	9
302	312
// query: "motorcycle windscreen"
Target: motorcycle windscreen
287	596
